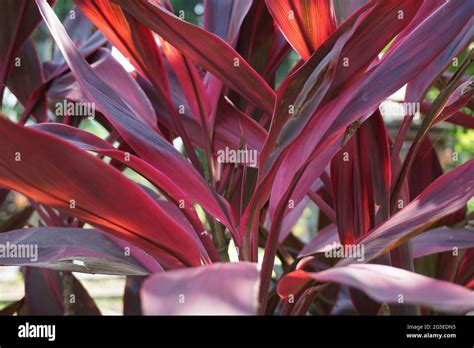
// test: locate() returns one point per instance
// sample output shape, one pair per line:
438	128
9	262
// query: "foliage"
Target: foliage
228	142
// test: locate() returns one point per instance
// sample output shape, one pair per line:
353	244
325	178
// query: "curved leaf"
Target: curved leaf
442	239
69	249
445	195
387	284
128	212
306	24
205	49
218	289
144	140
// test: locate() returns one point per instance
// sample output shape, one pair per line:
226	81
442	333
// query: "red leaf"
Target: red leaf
205	49
445	195
186	214
385	284
126	212
442	239
363	96
306	24
58	247
218	289
133	39
143	139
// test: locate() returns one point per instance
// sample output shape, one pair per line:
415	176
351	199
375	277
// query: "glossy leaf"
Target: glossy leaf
306	24
123	212
385	284
220	289
70	249
206	50
140	137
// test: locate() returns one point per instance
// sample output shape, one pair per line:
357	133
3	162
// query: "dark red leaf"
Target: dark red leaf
306	24
387	284
205	49
125	212
218	289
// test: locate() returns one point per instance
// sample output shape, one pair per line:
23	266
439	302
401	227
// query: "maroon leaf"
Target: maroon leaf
125	212
205	49
143	139
387	284
70	249
445	195
306	24
218	289
131	298
26	77
45	294
441	240
19	18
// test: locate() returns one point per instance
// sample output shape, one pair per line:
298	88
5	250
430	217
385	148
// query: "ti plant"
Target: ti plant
188	172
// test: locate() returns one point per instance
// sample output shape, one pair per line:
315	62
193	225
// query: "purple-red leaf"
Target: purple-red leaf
56	176
218	289
387	284
24	78
224	18
360	176
69	249
144	140
445	195
44	294
442	239
306	24
205	49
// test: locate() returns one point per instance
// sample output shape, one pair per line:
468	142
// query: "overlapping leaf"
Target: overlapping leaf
219	289
125	211
306	24
69	249
387	284
205	49
143	139
445	195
